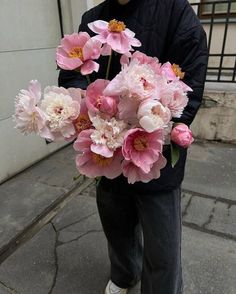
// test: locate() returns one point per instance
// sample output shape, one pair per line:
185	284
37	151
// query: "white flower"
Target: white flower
108	132
29	118
61	110
153	115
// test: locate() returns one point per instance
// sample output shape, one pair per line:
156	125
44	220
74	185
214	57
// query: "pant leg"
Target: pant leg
160	216
121	226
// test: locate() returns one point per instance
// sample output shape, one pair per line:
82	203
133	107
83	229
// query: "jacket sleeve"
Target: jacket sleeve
188	48
71	78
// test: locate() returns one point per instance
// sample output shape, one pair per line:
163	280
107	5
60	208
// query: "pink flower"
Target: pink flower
62	107
83	121
182	135
95	165
153	62
173	97
77	51
142	148
135	174
136	81
28	116
153	115
114	34
173	73
98	103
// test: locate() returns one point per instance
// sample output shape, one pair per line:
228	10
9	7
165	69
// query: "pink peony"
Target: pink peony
95	165
182	135
77	51
28	116
153	62
98	103
115	35
143	148
173	97
136	81
135	174
153	115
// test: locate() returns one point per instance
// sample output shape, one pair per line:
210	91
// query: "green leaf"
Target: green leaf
174	154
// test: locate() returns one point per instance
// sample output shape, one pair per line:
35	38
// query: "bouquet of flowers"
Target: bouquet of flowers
119	126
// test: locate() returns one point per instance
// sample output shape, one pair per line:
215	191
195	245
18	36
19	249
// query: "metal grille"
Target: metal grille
219	21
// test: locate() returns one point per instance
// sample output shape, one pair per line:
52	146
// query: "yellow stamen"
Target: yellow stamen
177	70
116	26
140	143
82	123
76	52
101	160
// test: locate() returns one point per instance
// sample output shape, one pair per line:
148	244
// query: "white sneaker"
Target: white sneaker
111	288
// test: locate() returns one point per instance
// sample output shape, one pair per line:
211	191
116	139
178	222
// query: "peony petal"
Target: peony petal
75	93
35	90
102	150
106	50
98	26
92	49
68	63
88	67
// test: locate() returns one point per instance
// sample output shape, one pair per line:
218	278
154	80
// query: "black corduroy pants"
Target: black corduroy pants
144	237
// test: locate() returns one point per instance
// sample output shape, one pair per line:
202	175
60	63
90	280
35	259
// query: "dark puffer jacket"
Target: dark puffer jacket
170	31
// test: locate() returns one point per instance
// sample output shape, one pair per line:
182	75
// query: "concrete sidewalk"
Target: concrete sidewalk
68	253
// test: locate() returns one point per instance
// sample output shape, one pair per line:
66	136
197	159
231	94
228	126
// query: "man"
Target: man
170	31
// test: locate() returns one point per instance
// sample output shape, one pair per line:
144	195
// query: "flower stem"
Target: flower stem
109	65
75	178
88	79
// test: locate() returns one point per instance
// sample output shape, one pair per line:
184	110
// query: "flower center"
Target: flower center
82	123
116	26
101	160
98	102
58	110
76	52
140	143
156	110
177	70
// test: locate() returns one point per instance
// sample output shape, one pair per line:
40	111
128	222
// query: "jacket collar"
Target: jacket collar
113	9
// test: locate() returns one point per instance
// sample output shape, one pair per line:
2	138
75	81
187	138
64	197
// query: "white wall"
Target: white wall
29	34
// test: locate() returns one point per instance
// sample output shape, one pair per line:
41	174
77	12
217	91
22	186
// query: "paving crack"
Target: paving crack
196	227
9	289
79	237
53	185
228	209
77	221
184	213
220	199
211	215
55	258
43	218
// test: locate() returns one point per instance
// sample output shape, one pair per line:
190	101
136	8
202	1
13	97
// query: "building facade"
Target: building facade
30	32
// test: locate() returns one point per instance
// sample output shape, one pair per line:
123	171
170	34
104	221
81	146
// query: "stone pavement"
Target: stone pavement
64	251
